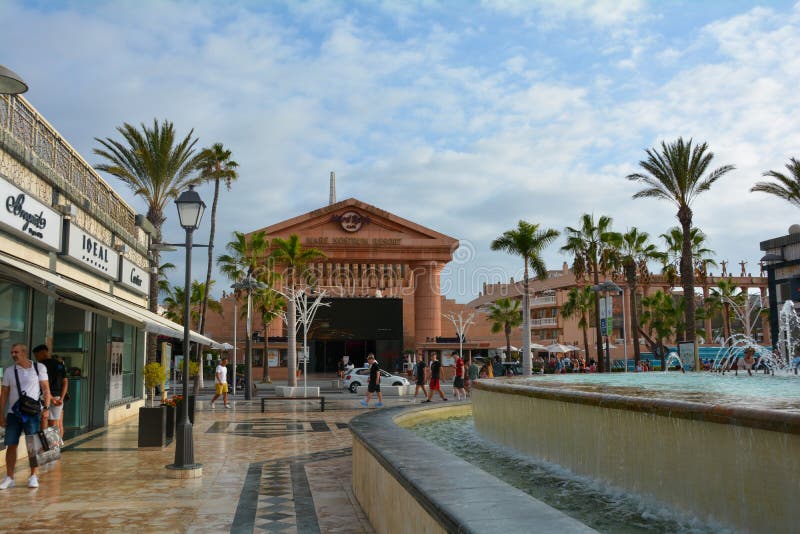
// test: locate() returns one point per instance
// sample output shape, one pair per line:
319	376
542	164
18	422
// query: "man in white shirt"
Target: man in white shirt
33	381
221	383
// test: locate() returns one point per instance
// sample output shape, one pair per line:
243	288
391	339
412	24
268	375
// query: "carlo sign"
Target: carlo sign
28	218
85	249
134	277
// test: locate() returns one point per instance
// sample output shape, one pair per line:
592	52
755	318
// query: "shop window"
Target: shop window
14	304
123	357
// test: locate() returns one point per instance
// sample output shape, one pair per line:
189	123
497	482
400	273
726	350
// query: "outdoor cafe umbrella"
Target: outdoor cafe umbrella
512	348
558	347
536	346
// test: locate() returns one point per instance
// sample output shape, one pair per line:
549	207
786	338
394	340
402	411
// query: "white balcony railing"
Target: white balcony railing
545	321
538	301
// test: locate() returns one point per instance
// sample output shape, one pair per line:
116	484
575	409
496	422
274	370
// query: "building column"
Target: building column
427	301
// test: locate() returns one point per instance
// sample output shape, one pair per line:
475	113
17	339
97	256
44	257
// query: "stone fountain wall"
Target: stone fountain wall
740	467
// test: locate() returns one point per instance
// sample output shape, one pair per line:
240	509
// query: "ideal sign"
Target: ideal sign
134	277
28	218
85	249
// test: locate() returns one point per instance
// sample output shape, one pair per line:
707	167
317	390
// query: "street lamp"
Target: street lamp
190	211
248	284
605	288
11	83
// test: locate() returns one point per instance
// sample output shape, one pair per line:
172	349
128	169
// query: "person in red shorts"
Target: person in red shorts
436	372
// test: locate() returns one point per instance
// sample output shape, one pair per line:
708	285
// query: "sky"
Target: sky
465	117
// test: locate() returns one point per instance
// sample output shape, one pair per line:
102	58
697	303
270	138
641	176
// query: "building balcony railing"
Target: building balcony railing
25	125
538	301
545	321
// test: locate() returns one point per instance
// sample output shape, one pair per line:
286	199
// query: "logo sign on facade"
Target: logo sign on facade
85	249
350	221
134	277
28	218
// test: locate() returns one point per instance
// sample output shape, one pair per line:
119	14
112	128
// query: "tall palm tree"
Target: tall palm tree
580	303
722	299
661	314
505	315
269	305
215	165
174	303
294	257
592	251
702	256
678	174
163	281
634	251
157	166
527	241
788	186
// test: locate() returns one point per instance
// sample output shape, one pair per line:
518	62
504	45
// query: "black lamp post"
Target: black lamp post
190	211
11	83
248	284
605	288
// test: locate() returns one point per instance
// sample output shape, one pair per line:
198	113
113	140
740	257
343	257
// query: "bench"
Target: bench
264	400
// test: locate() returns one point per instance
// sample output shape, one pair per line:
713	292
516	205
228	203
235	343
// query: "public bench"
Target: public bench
264	400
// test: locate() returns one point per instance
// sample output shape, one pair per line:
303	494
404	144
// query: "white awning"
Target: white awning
95	300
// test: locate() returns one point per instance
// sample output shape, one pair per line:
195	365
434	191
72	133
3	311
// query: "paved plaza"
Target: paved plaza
287	470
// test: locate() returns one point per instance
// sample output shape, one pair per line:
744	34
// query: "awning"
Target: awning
100	302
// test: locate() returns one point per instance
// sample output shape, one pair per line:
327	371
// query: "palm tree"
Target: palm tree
580	303
633	252
527	241
295	257
592	252
660	313
174	303
723	298
163	281
269	305
702	256
157	166
788	186
215	165
505	315
678	174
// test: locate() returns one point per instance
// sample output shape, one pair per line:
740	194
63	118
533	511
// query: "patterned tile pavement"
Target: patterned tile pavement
287	470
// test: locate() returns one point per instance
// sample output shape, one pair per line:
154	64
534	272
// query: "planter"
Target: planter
179	410
170	422
153	427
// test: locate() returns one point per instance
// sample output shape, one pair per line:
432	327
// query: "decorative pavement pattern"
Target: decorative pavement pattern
286	471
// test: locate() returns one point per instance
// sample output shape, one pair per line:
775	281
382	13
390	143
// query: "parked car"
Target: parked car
360	377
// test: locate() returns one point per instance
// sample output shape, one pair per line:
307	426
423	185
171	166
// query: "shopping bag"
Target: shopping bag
38	453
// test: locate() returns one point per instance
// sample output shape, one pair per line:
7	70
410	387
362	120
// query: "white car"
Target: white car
360	376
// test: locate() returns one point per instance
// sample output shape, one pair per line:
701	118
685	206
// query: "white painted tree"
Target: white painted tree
461	325
305	311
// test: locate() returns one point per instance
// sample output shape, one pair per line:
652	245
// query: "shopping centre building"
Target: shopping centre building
74	270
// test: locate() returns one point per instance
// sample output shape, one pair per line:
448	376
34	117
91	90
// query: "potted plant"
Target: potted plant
153	419
170	406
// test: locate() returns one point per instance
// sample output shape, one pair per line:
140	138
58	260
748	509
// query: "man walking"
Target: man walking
374	383
420	370
458	380
28	378
436	371
58	382
221	383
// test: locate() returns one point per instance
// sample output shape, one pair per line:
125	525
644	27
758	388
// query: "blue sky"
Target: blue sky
462	116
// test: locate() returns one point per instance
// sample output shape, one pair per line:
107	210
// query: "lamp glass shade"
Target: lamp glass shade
11	83
190	209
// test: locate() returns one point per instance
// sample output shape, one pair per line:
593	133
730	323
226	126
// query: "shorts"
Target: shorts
434	383
374	388
221	388
458	382
54	413
15	427
421	382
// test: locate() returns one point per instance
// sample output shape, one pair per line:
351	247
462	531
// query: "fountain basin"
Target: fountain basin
736	465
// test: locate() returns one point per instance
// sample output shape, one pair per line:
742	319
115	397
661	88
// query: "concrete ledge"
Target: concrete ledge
404	490
394	391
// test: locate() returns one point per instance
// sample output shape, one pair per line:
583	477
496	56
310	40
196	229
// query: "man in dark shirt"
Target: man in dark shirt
419	372
57	376
436	370
374	384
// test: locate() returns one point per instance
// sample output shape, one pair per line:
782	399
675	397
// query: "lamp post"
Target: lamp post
11	83
248	284
190	211
605	288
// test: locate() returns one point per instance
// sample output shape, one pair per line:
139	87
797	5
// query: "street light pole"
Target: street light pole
190	211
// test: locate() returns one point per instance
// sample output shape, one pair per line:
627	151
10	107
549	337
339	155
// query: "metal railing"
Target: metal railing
545	321
19	119
538	301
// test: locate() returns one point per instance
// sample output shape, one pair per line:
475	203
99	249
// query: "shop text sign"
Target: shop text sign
28	218
375	241
88	251
134	277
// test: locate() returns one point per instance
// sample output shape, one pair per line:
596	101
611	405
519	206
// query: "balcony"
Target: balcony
540	301
545	321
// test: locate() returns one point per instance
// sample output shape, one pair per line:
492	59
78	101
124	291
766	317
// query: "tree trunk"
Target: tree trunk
507	330
586	335
291	339
601	364
156	218
726	323
265	362
687	272
526	328
637	355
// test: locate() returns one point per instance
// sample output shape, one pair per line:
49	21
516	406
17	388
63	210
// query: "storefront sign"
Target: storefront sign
88	251
28	218
134	277
374	242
